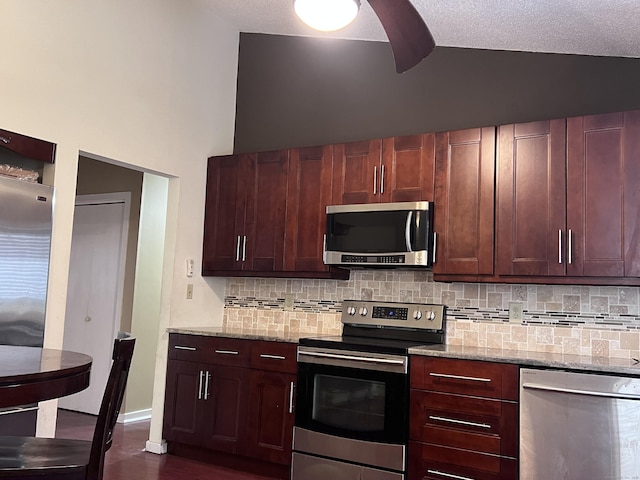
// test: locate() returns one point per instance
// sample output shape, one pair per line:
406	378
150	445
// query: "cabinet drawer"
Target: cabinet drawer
472	423
433	462
213	350
274	356
467	377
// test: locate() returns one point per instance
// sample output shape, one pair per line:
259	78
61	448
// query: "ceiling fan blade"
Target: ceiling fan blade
410	39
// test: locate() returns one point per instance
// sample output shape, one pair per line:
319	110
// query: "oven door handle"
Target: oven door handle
387	361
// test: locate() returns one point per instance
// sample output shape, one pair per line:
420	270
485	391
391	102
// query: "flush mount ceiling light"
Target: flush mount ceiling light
410	39
327	15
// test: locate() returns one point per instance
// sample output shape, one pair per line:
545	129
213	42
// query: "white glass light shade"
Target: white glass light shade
327	15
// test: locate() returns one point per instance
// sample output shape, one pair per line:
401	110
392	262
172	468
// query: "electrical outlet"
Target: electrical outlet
288	301
515	312
189	291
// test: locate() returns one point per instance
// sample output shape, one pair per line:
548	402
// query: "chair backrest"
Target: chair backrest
111	403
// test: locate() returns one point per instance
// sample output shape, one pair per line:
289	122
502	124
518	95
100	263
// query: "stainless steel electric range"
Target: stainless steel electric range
352	404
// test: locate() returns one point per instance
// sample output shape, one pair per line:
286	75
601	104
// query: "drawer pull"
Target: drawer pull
207	377
200	385
273	357
180	347
448	475
459	422
226	352
460	377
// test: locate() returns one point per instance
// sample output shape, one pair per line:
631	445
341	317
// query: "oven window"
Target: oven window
353	403
349	403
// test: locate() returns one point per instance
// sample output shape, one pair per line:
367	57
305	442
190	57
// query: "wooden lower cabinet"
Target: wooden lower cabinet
231	401
463	420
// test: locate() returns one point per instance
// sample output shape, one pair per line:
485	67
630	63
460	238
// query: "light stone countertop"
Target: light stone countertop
520	357
242	333
532	359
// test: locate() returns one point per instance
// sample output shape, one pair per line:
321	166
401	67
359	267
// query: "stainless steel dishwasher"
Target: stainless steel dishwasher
578	426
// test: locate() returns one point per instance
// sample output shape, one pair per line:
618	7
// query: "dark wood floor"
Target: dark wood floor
127	460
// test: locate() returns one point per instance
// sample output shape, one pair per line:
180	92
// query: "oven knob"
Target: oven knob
417	315
363	311
431	316
351	310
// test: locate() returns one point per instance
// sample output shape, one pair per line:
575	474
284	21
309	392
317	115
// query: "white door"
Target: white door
94	299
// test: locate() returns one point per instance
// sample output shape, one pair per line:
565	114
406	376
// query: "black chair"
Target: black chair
27	458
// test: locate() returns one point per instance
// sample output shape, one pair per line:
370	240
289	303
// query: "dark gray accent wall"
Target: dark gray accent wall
298	91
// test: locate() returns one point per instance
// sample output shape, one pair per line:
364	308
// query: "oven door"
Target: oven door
353	395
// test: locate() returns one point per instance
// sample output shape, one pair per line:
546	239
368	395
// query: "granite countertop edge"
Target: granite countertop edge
519	357
533	359
240	333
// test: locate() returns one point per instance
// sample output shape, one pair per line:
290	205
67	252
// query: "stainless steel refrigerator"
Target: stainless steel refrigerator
25	241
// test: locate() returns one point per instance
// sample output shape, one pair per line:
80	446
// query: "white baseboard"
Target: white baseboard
157	448
136	416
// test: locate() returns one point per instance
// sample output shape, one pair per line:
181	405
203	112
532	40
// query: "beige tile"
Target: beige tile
599	348
630	341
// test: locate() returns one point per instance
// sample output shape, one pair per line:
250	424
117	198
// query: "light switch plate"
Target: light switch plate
288	301
515	312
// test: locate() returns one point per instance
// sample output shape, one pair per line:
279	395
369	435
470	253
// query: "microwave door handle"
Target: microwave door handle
407	231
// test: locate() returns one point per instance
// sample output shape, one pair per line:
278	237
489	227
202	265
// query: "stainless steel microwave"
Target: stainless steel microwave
380	235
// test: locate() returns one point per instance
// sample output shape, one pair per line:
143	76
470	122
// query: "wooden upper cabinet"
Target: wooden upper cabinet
531	199
224	215
603	195
309	193
397	169
245	212
407	169
464	201
28	147
266	211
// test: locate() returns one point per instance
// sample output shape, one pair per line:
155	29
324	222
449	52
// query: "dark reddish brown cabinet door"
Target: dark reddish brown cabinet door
407	168
464	201
245	213
271	416
224	215
356	172
397	169
531	199
181	418
603	195
309	193
266	211
223	415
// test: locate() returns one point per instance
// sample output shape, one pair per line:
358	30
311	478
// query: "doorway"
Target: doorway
96	285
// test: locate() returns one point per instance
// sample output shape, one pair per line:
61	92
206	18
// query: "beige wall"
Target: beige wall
148	84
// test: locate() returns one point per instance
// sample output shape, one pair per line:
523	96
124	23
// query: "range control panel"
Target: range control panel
391	314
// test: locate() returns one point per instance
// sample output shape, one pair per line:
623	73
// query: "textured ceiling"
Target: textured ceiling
586	27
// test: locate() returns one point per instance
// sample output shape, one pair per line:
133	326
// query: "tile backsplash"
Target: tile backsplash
582	320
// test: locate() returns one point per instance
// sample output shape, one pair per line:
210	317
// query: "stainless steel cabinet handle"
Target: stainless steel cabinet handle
559	246
459	422
570	247
226	352
375	179
352	357
590	393
273	357
181	347
448	475
206	385
244	248
459	377
238	249
291	397
382	180
200	385
435	245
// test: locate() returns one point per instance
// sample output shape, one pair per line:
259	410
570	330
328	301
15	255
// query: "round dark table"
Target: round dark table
31	374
